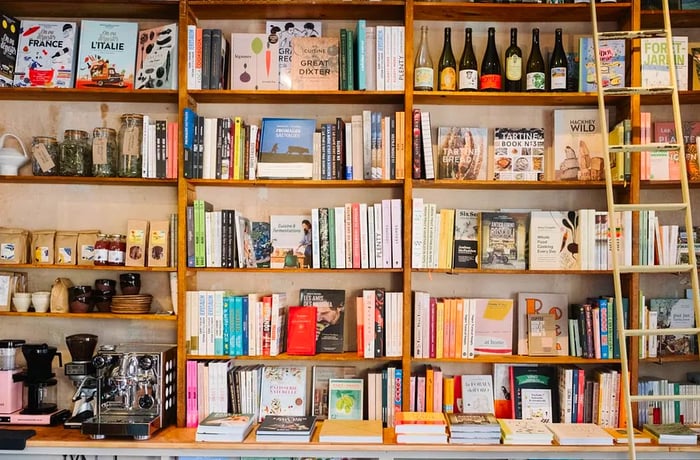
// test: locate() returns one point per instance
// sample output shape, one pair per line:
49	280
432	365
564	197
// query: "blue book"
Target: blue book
574	395
238	325
226	321
361	35
244	326
231	338
603	318
188	120
286	148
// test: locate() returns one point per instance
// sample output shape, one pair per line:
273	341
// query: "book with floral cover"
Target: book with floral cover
283	391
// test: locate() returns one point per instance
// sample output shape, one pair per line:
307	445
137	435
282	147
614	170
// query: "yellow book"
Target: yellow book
617	159
449	344
620	436
352	431
448	399
440	329
429	388
237	153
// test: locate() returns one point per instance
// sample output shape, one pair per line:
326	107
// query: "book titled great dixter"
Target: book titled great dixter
286	148
315	63
330	305
107	56
578	145
46	54
462	153
518	153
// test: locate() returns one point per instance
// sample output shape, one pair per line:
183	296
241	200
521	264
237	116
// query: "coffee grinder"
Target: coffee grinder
10	385
81	371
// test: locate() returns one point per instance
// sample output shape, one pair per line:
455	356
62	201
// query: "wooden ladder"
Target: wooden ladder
684	205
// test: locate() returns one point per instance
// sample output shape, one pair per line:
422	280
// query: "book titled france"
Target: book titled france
45	54
107	56
286	148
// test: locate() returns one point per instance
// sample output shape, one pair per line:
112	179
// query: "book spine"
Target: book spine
417	145
427	145
191	57
380	63
361	37
343	73
216	70
379	324
367	145
206	58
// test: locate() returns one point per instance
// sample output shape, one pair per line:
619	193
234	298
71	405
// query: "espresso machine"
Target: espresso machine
136	390
39	388
82	373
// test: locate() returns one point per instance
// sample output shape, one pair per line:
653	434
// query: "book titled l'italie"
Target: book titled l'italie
612	58
655	63
46	54
530	303
518	154
345	399
554	240
254	62
477	394
493	331
107	56
330	320
674	314
315	63
9	37
540	384
503	240
289	235
156	58
284	30
466	239
286	148
578	145
462	153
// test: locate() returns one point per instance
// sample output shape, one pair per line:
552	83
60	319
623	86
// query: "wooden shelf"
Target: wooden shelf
78	9
478	271
94	315
509	185
305	271
295	183
73	180
517	359
522	12
297	97
507	99
666	184
88	95
671	359
687	18
684	97
346	356
111	268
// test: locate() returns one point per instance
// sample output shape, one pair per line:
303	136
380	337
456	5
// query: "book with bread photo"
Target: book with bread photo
518	154
578	145
462	153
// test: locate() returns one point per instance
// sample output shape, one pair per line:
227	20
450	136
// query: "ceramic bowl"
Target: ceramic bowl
40	301
21	303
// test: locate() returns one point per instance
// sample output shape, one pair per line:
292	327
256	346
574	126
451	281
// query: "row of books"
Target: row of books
681	411
97	54
666	313
159	149
665	165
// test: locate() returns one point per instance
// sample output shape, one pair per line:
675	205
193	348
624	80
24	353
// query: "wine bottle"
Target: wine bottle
557	65
514	63
491	66
423	78
534	78
447	66
468	73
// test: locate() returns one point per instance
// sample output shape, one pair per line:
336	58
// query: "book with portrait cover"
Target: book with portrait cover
330	320
518	154
290	236
9	37
466	239
46	54
315	62
107	54
578	145
503	240
283	391
283	30
462	153
254	62
286	148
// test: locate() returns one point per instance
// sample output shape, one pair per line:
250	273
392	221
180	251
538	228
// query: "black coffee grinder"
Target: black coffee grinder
81	371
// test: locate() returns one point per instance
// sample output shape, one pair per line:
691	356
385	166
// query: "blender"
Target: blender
10	385
81	371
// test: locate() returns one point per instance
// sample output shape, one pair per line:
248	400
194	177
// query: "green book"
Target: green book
200	237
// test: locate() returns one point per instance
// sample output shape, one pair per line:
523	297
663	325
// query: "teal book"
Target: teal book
361	47
226	324
350	59
238	325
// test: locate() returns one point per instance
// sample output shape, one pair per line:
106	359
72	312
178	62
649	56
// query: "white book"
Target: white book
655	70
368	299
364	237
315	240
367	144
386	234
151	158
253	152
371	57
386	149
254	327
396	234
209	134
202	337
218	322
357	143
430	211
216	221
418	321
380	63
435	242
400	46
427	144
340	237
388	58
209	345
193	321
371	238
477	394
350	236
349	154
278	323
145	145
209	238
378	231
417	243
191	54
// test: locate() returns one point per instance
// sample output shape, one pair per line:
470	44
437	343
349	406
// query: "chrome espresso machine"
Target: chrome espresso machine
136	390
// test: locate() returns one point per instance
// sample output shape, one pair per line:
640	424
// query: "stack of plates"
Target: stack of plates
130	304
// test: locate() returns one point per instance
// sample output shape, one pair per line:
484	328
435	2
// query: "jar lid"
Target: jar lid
75	133
115	235
102	235
44	139
107	131
138	116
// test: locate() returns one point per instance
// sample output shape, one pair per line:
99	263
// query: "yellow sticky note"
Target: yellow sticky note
497	309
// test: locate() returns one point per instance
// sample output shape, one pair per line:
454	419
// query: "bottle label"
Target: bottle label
534	81
468	79
558	80
491	81
514	68
423	78
447	79
101	255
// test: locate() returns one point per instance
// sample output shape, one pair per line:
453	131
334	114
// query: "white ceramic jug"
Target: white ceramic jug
11	159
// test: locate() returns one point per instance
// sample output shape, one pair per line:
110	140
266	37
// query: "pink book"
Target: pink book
664	131
596	332
192	414
493	334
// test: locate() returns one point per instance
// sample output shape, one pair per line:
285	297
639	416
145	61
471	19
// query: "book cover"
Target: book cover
9	38
345	399
290	236
244	241
287	425
530	303
567	434
254	62
330	319
554	239
694	64
321	379
541	384
477	394
493	331
420	422
536	404
542	335
261	243
315	63
472	423
462	153
612	59
301	331
352	431
664	131
223	422
671	433
46	54
156	58
518	154
286	148
466	239
503	389
516	431
503	240
284	30
620	435
107	54
674	313
283	391
578	145
655	71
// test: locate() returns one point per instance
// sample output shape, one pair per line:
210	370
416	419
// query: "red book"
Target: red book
417	163
301	331
360	309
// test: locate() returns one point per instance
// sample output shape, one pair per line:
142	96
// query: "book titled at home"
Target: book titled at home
554	241
462	153
286	148
107	54
283	30
612	58
9	37
655	63
330	320
530	303
578	145
283	391
156	58
493	331
254	62
345	399
466	239
301	331
518	154
46	54
315	63
503	240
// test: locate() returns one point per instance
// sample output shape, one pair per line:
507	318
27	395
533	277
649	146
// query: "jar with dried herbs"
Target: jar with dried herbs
75	155
104	152
44	156
130	139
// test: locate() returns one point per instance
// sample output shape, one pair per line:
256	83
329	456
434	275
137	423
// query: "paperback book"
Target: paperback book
286	148
107	54
286	428
224	427
578	145
530	303
9	37
518	154
537	388
673	314
283	391
321	379
477	394
156	58
290	236
694	52
503	240
345	399
254	62
352	431
330	319
527	432
554	239
315	63
462	153
612	59
580	434
46	54
284	31
466	239
655	72
493	330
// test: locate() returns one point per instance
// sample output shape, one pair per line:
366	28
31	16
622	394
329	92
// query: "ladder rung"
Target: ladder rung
651	207
663	397
628	91
681	268
631	34
651	147
669	331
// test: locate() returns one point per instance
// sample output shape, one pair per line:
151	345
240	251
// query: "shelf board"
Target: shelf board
226	96
509	185
73	180
94	315
671	359
480	271
687	18
666	184
283	9
510	359
522	12
131	9
684	97
88	95
294	183
113	268
298	270
507	99
345	356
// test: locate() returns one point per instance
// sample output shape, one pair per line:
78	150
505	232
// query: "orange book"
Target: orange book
429	388
449	345
448	394
440	329
459	327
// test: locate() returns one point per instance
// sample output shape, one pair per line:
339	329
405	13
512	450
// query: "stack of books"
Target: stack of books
286	428
580	434
224	427
420	428
671	433
474	429
352	431
528	432
620	435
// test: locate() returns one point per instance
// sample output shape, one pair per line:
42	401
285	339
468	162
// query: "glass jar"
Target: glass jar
44	156
104	152
130	139
75	155
117	249
101	249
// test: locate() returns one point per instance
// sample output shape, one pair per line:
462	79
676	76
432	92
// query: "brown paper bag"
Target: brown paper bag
59	295
43	246
158	243
85	247
13	245
66	242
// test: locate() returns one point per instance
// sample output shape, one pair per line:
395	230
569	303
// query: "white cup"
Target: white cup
21	303
40	300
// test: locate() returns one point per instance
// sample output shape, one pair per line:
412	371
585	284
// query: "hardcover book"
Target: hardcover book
9	38
345	399
262	244
493	331
46	54
244	241
673	314
694	64
284	30
612	59
655	70
466	239
286	148
462	153
321	379
281	425
315	63
620	435
107	54
530	303
503	240
580	434
283	391
477	394
671	433
290	236
352	431
529	432
542	335
254	62
541	392
578	145
156	58
222	422
472	423
301	331
518	154
420	422
330	319
554	239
